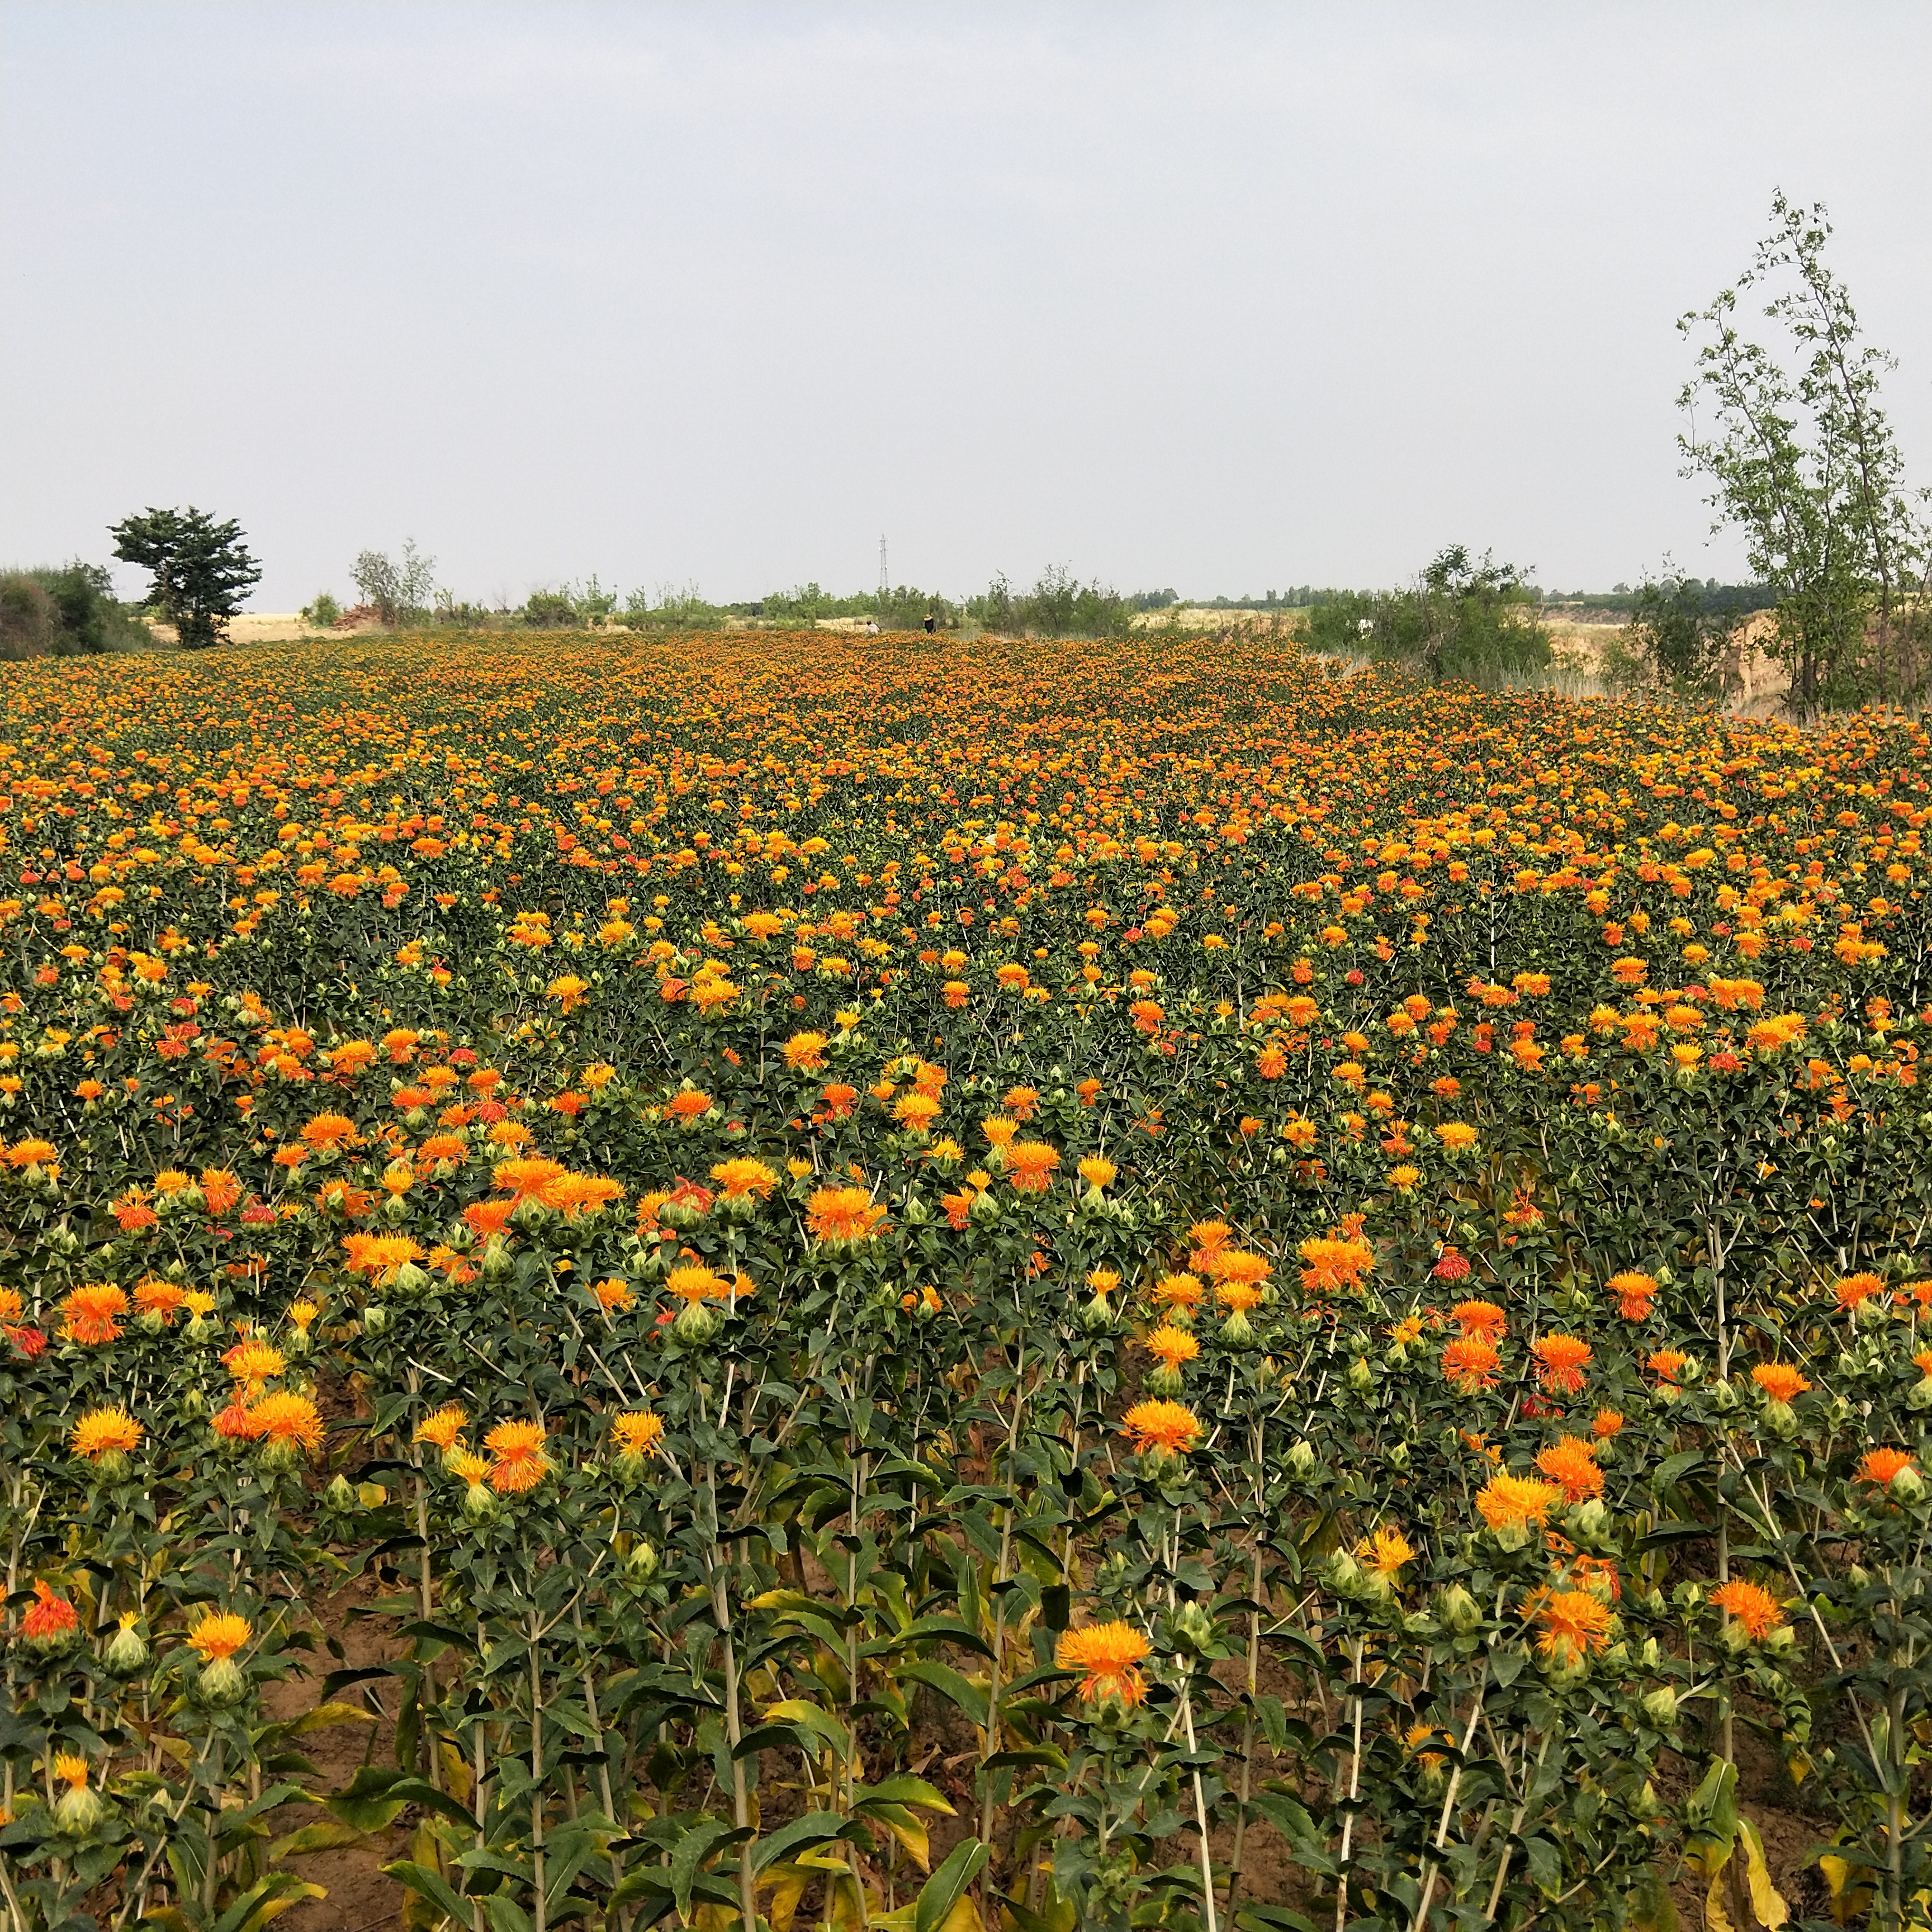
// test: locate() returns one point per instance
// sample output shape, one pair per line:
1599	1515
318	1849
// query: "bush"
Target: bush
1459	619
323	614
64	612
550	610
1057	606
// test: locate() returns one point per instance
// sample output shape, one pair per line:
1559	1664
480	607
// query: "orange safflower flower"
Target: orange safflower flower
1634	1293
572	1195
1571	1464
284	1417
519	1463
104	1431
1879	1465
1480	1318
1168	1426
1666	1364
1753	1606
1506	1501
220	1189
694	1284
636	1432
1098	1171
690	1105
1110	1655
525	1178
156	1297
1333	1264
330	1130
612	1295
486	1217
1561	1360
50	1618
1609	1422
1385	1552
1779	1381
1471	1362
442	1427
220	1634
1031	1164
88	1314
805	1051
1574	1623
1857	1289
1180	1293
1172	1346
379	1256
253	1361
843	1214
744	1177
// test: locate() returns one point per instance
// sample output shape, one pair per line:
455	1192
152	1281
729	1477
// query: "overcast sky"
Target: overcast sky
1222	299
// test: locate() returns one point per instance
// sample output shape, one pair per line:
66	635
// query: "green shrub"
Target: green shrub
322	613
65	612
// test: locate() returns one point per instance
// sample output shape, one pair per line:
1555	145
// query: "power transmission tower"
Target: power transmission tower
885	582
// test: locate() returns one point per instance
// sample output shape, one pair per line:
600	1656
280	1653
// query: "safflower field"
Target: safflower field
898	1284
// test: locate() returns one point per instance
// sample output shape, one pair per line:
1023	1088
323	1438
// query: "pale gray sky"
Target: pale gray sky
1225	297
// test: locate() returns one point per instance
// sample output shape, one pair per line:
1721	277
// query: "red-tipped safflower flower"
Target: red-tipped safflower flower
1470	1362
843	1214
1561	1360
50	1618
1480	1318
1634	1293
519	1463
1574	1623
1753	1606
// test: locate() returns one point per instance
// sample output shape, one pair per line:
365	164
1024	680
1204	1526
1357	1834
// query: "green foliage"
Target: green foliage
905	608
1057	606
66	612
400	590
202	569
1682	634
1803	461
322	613
1459	619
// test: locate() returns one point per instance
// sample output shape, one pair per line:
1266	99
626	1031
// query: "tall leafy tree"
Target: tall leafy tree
202	569
1802	460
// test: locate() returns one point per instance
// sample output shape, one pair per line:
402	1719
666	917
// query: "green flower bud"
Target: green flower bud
478	1504
1301	1457
1192	1627
78	1811
1360	1378
1458	1611
126	1649
375	1318
1660	1707
341	1494
222	1682
697	1322
642	1563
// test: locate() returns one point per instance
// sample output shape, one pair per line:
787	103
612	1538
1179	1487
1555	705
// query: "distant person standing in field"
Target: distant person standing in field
932	622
